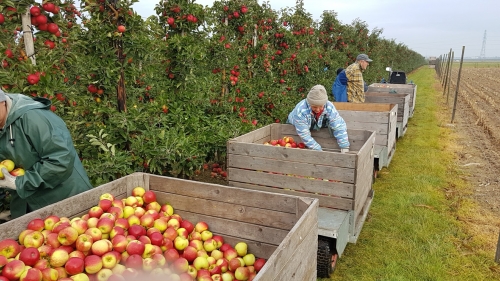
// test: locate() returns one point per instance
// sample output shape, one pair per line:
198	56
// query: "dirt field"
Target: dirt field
476	121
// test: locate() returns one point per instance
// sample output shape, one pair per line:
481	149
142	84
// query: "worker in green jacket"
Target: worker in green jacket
38	141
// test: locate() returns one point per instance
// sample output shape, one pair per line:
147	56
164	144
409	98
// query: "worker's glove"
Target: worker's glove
344	150
9	181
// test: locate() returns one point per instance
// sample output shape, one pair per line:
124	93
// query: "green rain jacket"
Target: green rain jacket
43	147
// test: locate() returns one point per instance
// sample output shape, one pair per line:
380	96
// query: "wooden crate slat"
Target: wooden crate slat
238	229
225	194
230	211
259	249
290	154
306	265
324	201
291	182
251	137
294	168
303	236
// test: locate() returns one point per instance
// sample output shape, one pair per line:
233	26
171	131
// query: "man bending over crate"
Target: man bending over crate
316	112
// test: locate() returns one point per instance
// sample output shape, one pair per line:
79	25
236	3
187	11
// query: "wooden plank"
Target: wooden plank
230	211
305	267
291	182
290	154
260	249
224	194
250	137
324	201
302	239
369	107
294	168
241	230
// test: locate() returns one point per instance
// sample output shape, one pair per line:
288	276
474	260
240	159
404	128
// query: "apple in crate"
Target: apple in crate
30	256
74	265
93	264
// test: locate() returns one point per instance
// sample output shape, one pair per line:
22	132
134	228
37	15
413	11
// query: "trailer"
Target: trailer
397	89
403	102
342	182
277	227
379	117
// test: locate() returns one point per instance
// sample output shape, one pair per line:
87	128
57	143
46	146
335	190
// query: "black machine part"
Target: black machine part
398	77
327	257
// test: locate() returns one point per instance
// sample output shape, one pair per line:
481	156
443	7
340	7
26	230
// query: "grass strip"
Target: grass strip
412	231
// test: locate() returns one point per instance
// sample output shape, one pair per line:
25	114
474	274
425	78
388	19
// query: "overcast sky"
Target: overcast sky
429	27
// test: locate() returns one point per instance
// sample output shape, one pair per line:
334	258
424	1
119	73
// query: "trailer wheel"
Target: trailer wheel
327	258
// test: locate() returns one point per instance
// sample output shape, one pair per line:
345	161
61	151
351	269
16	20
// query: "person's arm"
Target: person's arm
339	127
50	138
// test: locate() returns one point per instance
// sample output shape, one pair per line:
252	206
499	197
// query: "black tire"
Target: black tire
327	257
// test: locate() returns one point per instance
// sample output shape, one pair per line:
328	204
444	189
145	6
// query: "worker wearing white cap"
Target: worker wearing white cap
315	112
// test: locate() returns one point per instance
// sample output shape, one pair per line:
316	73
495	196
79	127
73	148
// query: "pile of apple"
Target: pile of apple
11	167
286	142
134	238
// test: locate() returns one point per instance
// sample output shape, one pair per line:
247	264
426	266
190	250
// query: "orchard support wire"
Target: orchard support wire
458	86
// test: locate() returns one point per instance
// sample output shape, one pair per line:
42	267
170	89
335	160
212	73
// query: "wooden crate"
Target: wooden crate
403	102
378	117
348	177
278	227
400	89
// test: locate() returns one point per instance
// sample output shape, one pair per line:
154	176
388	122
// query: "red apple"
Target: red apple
13	269
105	225
109	260
49	274
105	204
136	230
34	239
201	226
258	264
242	273
95	233
225	247
156	238
120	243
170	233
36	224
108	196
96	212
189	226
101	247
67	236
93	264
171	255
31	274
135	247
74	265
29	256
40	264
149	196
80	225
134	261
122	222
180	265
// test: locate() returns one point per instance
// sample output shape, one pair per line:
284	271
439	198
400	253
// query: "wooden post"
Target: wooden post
458	85
447	69
28	37
118	45
497	255
449	79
